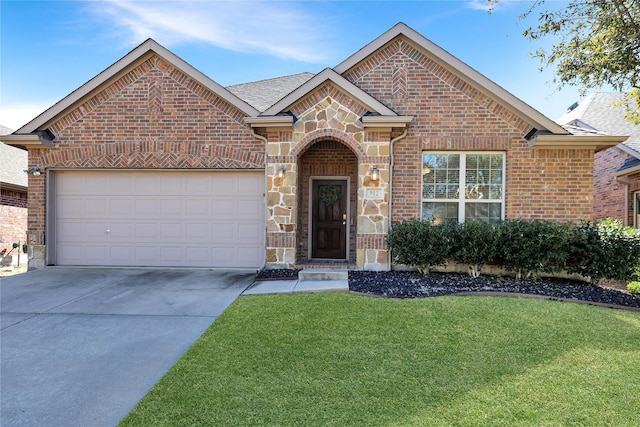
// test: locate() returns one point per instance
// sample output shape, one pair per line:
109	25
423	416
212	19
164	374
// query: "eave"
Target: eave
39	139
629	171
269	121
385	122
575	142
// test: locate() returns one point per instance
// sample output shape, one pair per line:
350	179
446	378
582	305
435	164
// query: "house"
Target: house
13	197
616	169
152	163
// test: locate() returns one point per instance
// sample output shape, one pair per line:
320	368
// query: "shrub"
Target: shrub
420	243
474	243
634	287
605	249
534	246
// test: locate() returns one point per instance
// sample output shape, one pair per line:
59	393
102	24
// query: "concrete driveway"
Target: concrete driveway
81	346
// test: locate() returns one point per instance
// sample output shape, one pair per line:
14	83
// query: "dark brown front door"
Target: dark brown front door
329	219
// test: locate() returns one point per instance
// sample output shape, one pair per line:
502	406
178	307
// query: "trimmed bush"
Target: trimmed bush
474	243
605	249
420	243
597	250
531	247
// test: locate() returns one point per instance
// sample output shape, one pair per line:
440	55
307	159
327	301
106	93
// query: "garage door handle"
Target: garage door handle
108	230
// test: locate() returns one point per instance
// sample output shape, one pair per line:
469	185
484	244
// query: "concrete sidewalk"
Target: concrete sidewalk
296	286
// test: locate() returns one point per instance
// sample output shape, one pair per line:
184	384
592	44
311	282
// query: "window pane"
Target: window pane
484	176
440	212
490	212
440	176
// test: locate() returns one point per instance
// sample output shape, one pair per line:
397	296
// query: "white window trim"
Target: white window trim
462	200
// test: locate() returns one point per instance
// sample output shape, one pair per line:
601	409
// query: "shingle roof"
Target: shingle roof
597	111
13	162
263	94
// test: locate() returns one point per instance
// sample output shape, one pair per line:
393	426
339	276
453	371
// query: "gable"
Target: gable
409	47
154	97
118	76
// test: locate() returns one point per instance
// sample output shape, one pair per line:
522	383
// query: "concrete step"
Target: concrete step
315	274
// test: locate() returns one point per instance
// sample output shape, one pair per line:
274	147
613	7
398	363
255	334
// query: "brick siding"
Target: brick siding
152	117
13	218
609	193
452	115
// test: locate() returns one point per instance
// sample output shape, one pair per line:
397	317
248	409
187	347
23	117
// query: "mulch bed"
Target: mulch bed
399	284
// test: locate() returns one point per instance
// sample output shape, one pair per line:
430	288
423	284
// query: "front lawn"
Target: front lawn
340	359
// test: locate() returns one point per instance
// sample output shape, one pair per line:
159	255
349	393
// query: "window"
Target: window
459	186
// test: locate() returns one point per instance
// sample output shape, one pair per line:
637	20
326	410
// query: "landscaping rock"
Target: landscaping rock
401	284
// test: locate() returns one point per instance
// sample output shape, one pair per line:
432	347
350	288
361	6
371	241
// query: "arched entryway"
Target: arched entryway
327	208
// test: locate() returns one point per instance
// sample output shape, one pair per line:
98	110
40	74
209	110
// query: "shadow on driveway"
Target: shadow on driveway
81	346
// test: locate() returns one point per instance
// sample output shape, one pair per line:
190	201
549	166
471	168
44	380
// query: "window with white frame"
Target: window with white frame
458	185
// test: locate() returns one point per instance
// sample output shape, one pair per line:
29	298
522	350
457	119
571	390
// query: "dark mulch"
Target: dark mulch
278	274
399	284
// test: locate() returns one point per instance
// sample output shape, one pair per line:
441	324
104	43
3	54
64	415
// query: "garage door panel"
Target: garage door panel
171	232
160	218
248	232
250	208
198	207
171	208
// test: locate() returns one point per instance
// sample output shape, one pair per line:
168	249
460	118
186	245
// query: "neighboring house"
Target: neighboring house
616	169
13	197
153	163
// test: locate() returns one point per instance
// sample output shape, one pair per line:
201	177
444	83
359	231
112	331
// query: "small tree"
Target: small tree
474	243
420	243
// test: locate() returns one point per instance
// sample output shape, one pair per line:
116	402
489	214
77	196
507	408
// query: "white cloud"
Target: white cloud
489	6
16	116
281	29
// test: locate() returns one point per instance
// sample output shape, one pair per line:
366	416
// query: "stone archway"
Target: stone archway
326	159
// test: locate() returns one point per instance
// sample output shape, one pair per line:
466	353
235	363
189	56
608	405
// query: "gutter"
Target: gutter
266	190
390	205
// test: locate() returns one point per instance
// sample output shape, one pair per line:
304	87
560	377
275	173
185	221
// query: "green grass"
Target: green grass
340	359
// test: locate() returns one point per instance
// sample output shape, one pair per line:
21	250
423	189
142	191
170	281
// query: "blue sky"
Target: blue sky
50	48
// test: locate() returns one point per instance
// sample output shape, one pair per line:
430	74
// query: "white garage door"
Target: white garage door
169	219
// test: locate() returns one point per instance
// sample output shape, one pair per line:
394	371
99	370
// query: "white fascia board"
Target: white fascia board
386	121
328	74
26	140
629	171
269	121
596	142
462	70
125	63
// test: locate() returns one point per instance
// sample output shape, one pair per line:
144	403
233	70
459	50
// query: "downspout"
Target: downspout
625	180
266	189
390	204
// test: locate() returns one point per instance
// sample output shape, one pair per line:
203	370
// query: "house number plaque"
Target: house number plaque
374	193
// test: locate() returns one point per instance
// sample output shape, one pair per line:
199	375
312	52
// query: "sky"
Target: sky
50	48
